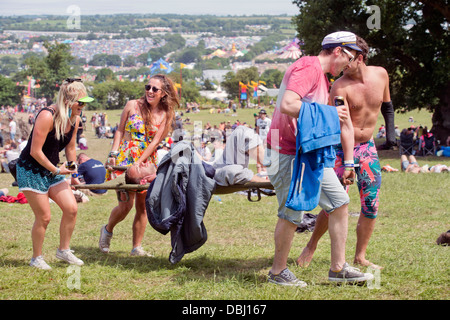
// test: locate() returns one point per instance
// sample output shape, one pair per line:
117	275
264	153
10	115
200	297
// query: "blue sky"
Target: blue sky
214	7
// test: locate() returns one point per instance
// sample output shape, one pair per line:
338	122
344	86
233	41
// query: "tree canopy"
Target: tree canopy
411	41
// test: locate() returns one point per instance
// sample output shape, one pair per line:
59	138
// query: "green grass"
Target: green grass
233	263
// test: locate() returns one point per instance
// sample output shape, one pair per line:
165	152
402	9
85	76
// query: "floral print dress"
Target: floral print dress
131	150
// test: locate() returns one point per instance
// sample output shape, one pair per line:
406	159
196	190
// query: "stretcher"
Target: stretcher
252	188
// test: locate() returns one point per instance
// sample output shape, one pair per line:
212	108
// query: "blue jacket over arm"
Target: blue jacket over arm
318	130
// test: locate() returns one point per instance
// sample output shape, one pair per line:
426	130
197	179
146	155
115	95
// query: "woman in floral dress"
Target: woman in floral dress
144	123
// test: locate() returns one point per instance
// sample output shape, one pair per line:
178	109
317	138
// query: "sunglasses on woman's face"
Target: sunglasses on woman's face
81	103
153	89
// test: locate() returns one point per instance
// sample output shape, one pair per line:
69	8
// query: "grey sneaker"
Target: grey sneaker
68	256
105	239
140	252
285	278
39	263
349	274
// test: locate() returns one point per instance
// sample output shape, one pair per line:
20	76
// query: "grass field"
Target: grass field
233	263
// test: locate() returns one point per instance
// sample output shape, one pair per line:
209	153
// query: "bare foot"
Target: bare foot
367	263
305	258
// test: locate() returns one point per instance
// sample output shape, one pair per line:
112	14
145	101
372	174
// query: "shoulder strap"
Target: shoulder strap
51	109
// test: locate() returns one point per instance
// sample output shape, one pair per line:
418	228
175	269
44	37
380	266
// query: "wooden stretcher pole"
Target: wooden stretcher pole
141	187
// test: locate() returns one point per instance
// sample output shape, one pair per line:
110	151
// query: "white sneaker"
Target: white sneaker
39	263
140	252
68	256
105	239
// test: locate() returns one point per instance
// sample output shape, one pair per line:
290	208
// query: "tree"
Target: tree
104	74
173	43
8	65
190	92
208	85
129	61
113	94
412	43
272	77
50	70
189	55
231	80
103	59
9	92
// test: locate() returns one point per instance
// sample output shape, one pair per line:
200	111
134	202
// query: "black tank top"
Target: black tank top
51	148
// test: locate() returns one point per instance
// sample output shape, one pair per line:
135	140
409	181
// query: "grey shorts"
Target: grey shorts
279	169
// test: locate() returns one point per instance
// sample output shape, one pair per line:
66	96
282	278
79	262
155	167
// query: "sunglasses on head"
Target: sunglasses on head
153	89
70	80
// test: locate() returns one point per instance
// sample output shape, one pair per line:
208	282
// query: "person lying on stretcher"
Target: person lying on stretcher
141	173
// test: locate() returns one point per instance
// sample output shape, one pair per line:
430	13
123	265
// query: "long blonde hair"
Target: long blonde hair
68	95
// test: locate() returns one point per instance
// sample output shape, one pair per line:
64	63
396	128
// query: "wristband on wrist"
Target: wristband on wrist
349	169
113	154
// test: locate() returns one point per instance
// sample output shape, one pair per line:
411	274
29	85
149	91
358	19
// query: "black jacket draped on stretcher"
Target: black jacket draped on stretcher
177	199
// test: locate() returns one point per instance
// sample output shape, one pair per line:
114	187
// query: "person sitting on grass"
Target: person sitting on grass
4	192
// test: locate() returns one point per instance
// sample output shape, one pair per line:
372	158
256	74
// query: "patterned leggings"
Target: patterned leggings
368	175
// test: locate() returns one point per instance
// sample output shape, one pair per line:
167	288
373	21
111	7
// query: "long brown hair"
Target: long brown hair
168	103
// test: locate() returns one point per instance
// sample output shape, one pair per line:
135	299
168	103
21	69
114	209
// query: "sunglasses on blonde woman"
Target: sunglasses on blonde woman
70	80
153	89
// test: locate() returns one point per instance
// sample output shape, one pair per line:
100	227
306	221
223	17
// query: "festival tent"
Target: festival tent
291	51
218	53
160	65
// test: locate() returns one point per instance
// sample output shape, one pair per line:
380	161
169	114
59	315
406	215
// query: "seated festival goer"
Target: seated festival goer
407	141
82	143
203	151
10	153
4	192
242	145
90	171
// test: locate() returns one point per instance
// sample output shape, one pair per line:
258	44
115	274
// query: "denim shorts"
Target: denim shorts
279	169
32	180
